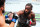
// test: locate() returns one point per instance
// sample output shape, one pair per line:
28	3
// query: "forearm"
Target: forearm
12	24
4	25
33	23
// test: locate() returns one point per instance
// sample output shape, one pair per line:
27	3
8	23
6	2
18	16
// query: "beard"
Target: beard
3	11
27	13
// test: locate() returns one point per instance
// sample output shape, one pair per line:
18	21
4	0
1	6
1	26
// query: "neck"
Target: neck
0	12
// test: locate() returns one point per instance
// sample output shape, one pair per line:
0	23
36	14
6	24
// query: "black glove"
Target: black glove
15	16
8	20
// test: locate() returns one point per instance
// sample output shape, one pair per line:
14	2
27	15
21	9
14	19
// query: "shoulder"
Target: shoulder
20	12
33	15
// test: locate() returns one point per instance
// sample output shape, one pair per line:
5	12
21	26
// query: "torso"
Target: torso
22	18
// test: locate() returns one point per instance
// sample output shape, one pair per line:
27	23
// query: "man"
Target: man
25	16
2	17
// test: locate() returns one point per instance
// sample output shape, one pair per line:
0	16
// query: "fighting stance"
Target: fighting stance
2	17
25	16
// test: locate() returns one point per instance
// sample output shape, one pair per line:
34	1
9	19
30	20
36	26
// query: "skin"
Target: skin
31	17
2	18
11	14
12	24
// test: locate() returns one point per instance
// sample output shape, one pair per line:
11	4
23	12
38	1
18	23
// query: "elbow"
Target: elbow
35	24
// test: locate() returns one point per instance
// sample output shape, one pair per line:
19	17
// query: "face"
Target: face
10	15
2	8
27	9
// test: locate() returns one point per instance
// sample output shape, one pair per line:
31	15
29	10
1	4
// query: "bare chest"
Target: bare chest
25	17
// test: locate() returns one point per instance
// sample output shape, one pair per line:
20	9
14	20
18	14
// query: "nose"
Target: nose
26	10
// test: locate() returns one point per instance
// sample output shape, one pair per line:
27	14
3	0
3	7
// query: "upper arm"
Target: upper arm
33	18
2	19
20	12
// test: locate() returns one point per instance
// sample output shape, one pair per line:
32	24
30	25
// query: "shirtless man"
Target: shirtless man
25	16
2	17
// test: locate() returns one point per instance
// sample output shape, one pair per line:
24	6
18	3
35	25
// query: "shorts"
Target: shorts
22	25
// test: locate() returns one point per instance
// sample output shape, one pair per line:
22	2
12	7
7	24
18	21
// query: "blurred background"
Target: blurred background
16	5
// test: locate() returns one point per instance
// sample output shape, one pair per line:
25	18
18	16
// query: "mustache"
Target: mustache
27	12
